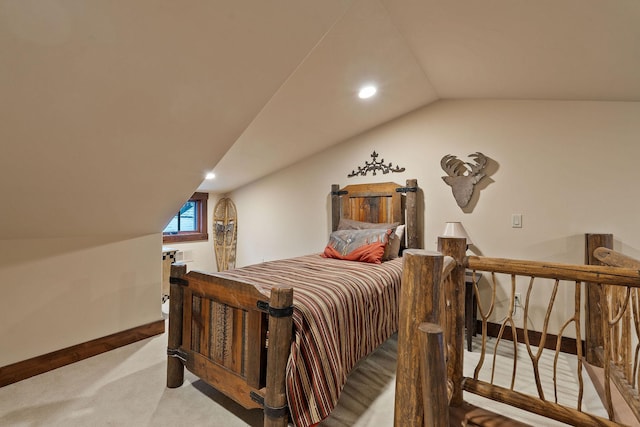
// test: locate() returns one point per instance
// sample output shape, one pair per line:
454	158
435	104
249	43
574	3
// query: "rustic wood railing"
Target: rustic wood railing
434	294
619	311
418	304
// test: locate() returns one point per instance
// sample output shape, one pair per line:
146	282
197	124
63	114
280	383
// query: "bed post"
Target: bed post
280	329
419	302
175	368
454	303
335	206
594	294
413	237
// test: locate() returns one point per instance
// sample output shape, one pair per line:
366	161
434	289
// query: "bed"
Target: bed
431	341
283	335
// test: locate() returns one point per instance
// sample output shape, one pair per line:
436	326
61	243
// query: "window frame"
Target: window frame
201	232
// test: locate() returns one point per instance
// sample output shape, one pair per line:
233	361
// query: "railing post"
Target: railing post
419	302
454	312
175	368
434	376
594	299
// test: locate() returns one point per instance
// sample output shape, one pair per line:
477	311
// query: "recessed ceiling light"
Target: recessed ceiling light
367	92
210	175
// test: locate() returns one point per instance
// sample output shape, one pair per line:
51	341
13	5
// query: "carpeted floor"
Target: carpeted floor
126	387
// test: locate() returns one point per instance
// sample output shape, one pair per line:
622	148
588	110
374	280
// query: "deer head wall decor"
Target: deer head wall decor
463	176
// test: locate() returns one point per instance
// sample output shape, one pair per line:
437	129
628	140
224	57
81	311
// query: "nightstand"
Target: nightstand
470	307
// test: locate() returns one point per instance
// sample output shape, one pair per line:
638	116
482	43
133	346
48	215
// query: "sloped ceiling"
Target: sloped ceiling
418	51
112	112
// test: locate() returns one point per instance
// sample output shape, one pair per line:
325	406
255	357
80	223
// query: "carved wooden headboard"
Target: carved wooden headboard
379	202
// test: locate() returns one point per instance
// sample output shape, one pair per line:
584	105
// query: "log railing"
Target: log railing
619	311
434	294
421	301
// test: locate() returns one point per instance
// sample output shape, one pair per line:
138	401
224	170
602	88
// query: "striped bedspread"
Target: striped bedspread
343	310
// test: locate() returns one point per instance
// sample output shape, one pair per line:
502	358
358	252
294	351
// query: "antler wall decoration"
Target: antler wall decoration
463	176
374	166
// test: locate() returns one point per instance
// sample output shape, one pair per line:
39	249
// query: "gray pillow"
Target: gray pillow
392	248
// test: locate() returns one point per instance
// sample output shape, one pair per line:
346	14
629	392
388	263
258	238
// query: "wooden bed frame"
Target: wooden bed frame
247	369
431	341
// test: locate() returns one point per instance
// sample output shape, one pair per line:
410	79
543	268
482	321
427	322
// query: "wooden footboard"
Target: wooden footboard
230	335
415	402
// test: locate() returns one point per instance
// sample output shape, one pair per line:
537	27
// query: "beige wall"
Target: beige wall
60	292
568	167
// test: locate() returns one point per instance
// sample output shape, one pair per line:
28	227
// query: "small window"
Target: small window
190	223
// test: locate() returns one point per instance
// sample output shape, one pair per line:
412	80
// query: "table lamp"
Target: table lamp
455	229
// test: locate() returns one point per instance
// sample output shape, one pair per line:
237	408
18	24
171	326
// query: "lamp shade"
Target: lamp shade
455	229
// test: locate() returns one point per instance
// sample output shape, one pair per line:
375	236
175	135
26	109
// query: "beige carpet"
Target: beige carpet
126	387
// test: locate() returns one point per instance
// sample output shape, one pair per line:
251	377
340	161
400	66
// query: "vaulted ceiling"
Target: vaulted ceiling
112	112
418	51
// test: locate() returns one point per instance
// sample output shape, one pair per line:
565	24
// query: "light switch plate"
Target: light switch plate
516	221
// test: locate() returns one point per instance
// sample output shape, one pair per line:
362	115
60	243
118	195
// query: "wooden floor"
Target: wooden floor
368	397
623	414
